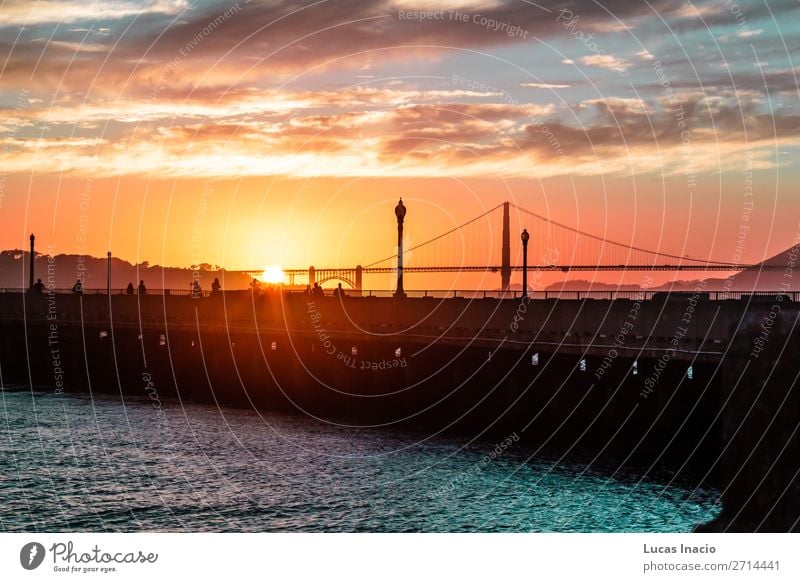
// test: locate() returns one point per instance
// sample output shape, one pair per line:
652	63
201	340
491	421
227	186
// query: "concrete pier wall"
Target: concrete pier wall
608	381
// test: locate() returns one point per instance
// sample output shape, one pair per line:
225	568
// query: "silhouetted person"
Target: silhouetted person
318	291
142	289
77	288
215	286
339	292
196	291
308	290
38	287
129	289
255	286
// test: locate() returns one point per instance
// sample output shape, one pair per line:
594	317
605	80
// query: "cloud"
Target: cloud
265	43
747	33
609	62
544	86
257	41
27	13
622	136
763	82
612	107
52	143
694	10
195	89
180	103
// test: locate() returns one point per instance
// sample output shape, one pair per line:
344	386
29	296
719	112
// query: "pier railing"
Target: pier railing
631	295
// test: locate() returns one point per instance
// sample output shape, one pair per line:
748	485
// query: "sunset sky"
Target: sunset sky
254	133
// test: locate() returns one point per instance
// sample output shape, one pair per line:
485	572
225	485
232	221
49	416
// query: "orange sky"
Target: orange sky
246	134
255	222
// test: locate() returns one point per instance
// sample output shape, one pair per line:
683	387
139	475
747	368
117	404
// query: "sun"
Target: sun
273	274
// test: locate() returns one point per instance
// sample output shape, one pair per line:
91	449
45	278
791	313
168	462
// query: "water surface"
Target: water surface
77	463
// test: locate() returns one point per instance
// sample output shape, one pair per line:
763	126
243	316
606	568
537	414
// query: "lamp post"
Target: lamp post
400	213
32	255
108	275
525	238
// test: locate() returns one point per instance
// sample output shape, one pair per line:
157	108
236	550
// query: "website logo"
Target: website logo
31	555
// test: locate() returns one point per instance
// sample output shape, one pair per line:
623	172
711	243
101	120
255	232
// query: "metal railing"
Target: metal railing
472	294
632	295
123	291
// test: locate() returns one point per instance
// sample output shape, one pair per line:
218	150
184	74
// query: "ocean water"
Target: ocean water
77	463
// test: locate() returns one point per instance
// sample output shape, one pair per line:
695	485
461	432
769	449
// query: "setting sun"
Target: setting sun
273	274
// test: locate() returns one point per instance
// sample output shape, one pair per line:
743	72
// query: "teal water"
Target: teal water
75	463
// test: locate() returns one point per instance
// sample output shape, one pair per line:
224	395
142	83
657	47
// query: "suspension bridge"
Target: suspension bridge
553	247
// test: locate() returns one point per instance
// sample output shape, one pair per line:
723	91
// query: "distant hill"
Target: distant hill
787	278
753	278
584	285
63	270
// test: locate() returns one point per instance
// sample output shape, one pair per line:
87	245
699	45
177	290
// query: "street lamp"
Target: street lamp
400	213
525	238
32	256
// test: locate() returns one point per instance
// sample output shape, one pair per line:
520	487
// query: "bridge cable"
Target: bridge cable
394	256
611	242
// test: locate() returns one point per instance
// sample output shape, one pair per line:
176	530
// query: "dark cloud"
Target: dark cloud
230	44
279	36
768	81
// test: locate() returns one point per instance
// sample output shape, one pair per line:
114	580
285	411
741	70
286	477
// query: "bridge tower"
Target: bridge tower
505	267
359	277
312	276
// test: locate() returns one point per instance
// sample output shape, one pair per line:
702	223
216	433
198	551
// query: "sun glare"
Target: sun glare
273	274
